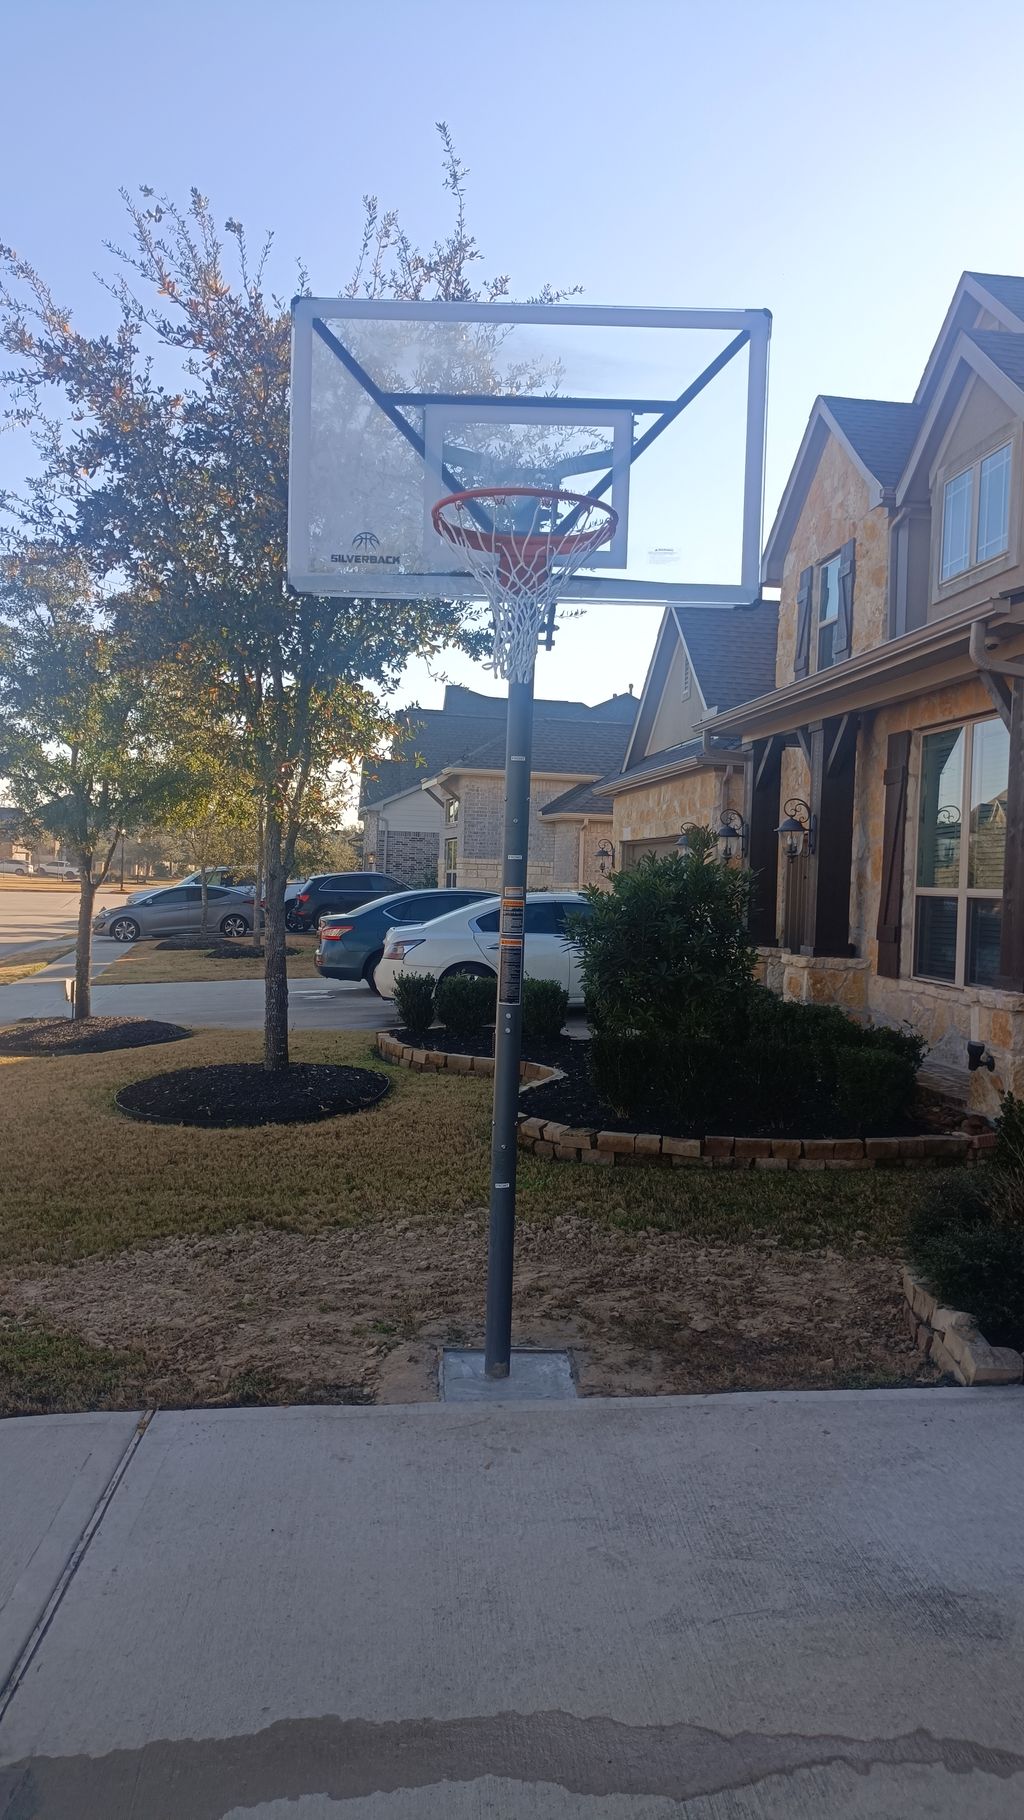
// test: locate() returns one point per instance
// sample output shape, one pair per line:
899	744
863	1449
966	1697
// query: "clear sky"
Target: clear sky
839	165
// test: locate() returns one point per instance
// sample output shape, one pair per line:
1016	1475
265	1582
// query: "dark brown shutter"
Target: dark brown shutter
804	596
890	901
843	639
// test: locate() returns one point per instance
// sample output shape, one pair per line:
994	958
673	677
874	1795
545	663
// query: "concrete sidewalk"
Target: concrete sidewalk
744	1607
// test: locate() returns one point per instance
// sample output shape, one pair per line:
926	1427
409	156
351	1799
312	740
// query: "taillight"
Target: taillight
303	897
397	951
335	934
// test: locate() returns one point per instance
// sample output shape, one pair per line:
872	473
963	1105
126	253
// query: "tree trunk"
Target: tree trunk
275	877
83	941
259	889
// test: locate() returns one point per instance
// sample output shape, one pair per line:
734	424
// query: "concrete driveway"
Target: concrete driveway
221	1004
777	1607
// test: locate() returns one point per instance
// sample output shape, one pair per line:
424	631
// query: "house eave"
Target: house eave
900	668
965	352
821	424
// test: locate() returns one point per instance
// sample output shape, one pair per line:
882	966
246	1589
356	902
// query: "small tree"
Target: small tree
78	722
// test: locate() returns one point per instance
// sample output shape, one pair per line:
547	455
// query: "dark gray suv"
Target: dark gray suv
329	893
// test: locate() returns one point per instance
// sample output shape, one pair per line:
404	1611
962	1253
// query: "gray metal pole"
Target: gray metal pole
508	1031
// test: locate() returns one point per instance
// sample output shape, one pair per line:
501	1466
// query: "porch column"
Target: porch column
1011	948
763	783
833	767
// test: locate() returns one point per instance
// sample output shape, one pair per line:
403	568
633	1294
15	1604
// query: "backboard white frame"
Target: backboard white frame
753	325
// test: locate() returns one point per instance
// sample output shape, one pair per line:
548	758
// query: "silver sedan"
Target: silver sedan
178	910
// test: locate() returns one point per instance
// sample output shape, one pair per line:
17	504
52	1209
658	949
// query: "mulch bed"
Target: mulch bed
86	1035
229	949
553	1055
235	1094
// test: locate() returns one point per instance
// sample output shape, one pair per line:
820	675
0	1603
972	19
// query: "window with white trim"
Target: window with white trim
976	514
451	809
828	609
961	841
451	864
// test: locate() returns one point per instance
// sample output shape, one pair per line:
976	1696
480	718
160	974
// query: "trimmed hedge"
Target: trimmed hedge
545	1009
465	1004
414	1002
968	1241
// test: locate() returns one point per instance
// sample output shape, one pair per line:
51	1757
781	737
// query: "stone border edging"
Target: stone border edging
439	1061
571	1144
953	1340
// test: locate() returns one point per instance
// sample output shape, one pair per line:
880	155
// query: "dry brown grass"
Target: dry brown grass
81	1178
23	962
144	965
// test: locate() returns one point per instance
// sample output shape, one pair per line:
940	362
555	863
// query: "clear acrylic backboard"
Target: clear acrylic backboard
658	412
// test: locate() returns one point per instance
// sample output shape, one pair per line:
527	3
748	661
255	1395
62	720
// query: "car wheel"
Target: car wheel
294	924
125	929
234	925
370	969
472	969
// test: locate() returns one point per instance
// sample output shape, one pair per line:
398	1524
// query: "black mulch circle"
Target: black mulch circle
231	948
230	1094
86	1035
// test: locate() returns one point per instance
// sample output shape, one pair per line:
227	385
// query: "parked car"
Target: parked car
55	868
351	946
466	941
330	893
177	910
237	879
21	866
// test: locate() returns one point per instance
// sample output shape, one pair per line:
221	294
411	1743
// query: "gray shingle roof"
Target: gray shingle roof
881	431
561	746
732	650
1005	288
582	799
690	748
1004	349
568	737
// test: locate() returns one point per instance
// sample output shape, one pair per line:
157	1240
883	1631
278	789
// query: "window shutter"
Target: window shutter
844	624
804	597
890	901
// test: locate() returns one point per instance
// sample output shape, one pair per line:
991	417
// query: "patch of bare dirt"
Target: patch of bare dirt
365	1309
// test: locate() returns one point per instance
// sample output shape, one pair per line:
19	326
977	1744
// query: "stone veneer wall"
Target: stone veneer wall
659	809
836	508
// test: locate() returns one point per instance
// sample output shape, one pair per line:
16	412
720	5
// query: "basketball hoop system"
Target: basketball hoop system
521	544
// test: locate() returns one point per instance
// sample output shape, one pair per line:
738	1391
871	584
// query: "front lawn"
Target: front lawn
329	1260
144	963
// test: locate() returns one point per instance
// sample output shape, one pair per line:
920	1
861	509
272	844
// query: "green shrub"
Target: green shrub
968	1244
1010	1134
874	1089
665	953
465	1004
414	1002
545	1009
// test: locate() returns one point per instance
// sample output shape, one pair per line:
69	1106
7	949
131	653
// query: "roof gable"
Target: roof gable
877	434
978	293
993	356
731	651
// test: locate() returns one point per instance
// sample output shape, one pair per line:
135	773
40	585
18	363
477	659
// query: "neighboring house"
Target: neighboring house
706	659
896	723
12	846
436	808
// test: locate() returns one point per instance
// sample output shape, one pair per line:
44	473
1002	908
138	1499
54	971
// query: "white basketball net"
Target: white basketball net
522	545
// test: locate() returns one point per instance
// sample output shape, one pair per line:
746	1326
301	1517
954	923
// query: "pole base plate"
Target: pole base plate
535	1377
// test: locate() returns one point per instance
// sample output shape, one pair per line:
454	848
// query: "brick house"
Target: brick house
436	807
894	734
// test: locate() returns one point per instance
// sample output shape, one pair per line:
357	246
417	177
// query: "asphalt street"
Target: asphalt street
803	1606
28	917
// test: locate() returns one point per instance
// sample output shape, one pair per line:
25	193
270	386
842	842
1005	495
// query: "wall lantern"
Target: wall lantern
798	828
606	856
683	843
732	834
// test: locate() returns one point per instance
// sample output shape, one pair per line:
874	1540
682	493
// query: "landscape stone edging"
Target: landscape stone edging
952	1339
570	1144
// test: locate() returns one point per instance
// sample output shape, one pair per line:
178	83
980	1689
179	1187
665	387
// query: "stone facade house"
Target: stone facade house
706	659
435	809
893	738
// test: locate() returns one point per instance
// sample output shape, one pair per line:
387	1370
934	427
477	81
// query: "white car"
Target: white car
466	941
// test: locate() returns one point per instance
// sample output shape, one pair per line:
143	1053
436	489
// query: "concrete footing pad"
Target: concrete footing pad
535	1377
